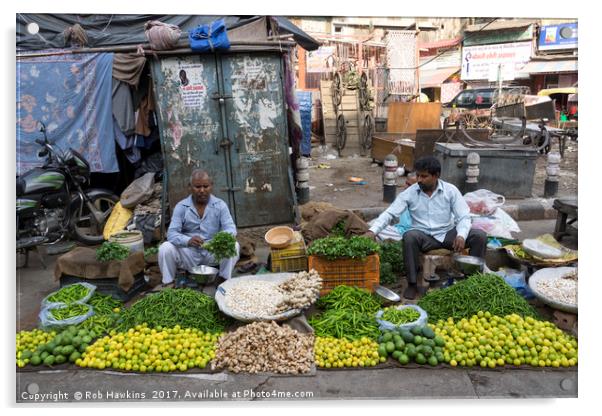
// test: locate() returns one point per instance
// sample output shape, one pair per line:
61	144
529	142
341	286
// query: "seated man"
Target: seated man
196	220
440	219
396	232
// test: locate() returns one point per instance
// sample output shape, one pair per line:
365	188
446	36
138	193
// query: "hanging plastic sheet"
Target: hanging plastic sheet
71	95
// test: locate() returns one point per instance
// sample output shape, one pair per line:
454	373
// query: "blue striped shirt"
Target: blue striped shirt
186	223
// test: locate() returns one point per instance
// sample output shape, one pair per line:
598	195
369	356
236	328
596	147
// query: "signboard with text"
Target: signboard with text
478	61
562	36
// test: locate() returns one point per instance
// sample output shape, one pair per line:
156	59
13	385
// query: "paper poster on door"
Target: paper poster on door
191	85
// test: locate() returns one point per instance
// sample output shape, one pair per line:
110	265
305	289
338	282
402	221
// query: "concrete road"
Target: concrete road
390	383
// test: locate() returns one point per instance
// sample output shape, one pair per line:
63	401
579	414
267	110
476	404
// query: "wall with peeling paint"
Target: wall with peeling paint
226	114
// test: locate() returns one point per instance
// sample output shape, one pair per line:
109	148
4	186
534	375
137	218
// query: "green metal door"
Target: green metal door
256	121
225	114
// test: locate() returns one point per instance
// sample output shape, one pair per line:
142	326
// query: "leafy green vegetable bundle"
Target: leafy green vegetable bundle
356	247
112	251
222	246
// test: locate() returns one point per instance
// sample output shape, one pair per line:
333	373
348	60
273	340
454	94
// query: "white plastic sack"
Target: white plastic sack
483	202
49	321
538	248
46	303
500	224
389	326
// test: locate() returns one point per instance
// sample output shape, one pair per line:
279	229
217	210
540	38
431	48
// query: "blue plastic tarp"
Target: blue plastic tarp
305	106
71	95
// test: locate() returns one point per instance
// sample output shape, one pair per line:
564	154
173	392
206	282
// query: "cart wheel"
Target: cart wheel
367	132
337	91
364	96
341	133
469	120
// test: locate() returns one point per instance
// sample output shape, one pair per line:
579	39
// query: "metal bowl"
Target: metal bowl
203	274
386	293
469	264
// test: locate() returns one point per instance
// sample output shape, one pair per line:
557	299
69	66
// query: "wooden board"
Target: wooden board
422	144
409	117
392	143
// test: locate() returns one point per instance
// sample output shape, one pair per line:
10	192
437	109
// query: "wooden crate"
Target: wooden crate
290	259
400	145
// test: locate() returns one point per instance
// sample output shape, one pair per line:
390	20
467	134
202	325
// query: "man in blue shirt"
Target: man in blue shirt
196	219
440	219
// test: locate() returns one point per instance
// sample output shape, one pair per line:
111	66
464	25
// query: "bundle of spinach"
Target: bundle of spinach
391	261
392	253
356	247
112	251
338	230
151	251
222	246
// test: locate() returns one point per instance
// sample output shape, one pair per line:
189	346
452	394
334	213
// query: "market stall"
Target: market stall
329	316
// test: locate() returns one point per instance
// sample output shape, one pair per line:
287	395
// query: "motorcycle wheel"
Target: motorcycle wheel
85	229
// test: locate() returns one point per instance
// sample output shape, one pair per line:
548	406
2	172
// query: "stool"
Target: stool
567	215
430	260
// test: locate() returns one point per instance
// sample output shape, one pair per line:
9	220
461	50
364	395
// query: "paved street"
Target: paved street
389	383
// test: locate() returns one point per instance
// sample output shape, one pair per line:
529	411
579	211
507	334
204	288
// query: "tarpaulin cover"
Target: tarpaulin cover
305	108
128	29
71	95
209	38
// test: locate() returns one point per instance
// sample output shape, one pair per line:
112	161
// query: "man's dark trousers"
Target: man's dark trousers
416	242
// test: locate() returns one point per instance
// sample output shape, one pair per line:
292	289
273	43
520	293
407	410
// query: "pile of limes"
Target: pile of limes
332	352
490	341
28	342
66	346
143	349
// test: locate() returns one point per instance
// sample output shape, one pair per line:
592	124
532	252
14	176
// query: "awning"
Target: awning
440	43
542	67
430	78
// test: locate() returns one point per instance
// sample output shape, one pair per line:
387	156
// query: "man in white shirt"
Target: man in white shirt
440	219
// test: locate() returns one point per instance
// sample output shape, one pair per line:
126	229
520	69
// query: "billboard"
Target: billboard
563	36
478	62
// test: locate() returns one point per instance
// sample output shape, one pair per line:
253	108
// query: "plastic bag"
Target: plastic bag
500	224
517	280
49	321
209	38
483	202
386	325
538	248
117	221
138	191
46	303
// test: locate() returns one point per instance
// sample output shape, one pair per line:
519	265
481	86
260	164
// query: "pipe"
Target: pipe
149	51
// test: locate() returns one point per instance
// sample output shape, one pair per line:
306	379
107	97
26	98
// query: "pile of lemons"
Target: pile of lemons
142	349
28	341
491	341
332	352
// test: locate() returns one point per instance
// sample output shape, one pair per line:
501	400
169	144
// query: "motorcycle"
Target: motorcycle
52	204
